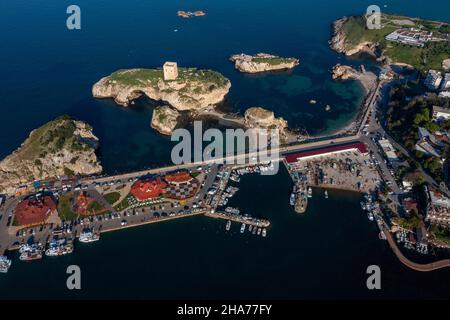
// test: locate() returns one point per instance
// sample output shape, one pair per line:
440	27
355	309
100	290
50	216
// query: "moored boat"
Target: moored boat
228	226
5	264
243	228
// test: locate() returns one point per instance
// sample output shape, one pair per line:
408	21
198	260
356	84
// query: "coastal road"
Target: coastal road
410	264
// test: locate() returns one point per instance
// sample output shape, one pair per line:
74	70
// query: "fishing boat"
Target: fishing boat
34	254
228	226
88	236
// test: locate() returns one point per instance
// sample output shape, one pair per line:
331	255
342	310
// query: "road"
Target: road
415	266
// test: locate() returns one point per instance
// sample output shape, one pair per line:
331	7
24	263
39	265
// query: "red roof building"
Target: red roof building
294	157
34	210
178	177
145	189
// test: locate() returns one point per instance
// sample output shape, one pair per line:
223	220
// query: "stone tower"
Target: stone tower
170	70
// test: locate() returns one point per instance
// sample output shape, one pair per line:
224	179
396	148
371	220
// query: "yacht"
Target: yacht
264	232
5	264
326	194
259	231
292	200
228	226
250	227
243	228
309	192
370	215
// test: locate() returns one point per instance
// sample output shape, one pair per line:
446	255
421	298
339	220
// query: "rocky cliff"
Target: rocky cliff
164	119
60	147
340	44
192	90
262	62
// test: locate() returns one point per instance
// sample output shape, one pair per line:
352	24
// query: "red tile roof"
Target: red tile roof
178	177
293	157
145	189
33	211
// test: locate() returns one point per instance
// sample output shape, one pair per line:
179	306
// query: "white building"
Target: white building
170	71
445	83
433	80
440	113
388	150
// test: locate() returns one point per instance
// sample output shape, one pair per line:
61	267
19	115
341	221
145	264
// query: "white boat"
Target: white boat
243	228
228	226
264	232
292	199
250	227
89	236
370	215
326	194
259	231
309	192
5	264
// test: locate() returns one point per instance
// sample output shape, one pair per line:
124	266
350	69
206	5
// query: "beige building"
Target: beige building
170	71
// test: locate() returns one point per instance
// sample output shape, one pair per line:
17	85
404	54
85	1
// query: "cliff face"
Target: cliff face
164	119
192	90
60	147
262	62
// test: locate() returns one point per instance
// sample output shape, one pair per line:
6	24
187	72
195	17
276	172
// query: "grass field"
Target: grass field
65	209
112	197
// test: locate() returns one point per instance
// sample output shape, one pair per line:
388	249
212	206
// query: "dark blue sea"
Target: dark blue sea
47	70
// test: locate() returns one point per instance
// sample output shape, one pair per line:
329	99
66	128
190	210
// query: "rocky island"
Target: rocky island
262	62
164	119
60	147
342	72
257	117
189	89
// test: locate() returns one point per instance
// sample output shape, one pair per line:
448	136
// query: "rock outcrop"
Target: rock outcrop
339	41
262	62
446	65
60	147
192	90
164	119
257	117
344	72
